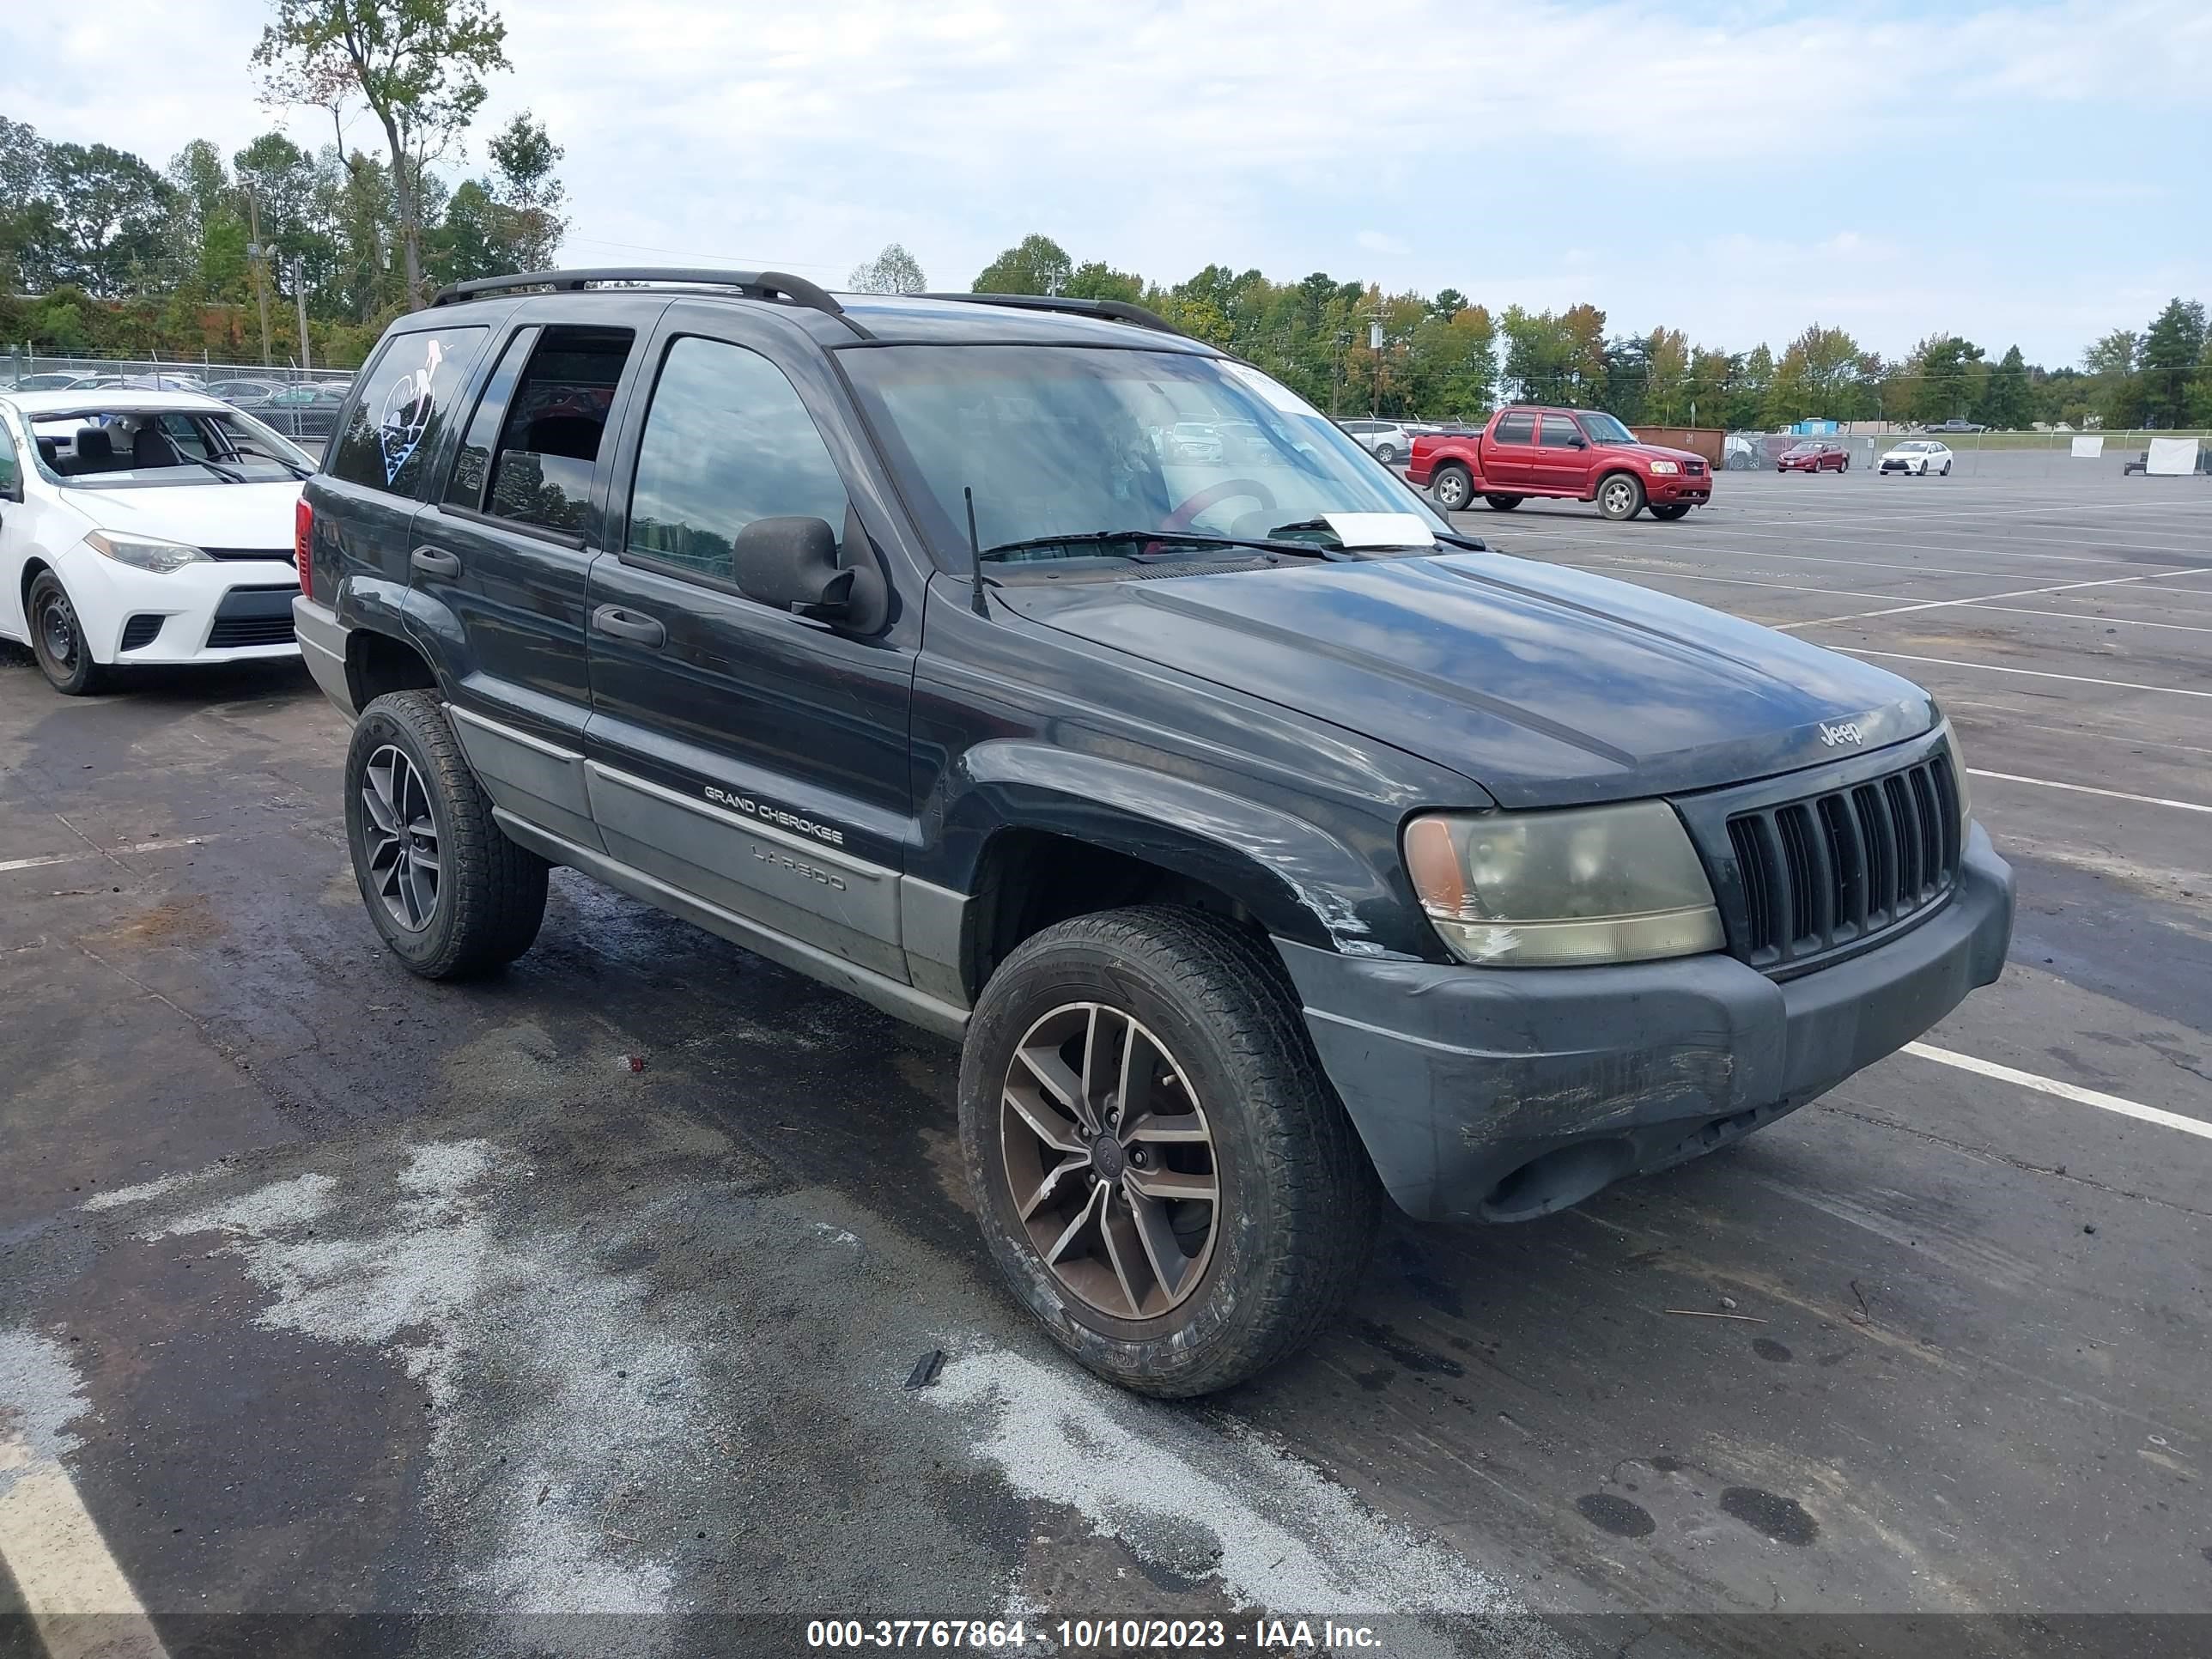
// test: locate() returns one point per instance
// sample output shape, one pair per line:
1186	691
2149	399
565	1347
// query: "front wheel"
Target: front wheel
1503	503
1163	1173
57	639
1946	469
1620	498
1452	486
451	895
1387	453
1671	512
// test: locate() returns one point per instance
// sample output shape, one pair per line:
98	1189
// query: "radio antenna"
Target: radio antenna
976	600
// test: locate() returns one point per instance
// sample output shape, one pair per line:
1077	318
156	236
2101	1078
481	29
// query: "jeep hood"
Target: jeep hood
1546	686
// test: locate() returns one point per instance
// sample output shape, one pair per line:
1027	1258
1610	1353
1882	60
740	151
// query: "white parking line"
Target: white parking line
1885	542
1983	599
2085	789
2081	1097
42	862
2032	673
68	1581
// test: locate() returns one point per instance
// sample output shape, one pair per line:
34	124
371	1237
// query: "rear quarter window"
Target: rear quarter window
405	395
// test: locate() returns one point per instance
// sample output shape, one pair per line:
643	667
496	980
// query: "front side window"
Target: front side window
403	408
726	441
1560	433
1095	442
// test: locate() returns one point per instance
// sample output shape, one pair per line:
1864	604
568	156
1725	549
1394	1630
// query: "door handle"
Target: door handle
432	562
618	623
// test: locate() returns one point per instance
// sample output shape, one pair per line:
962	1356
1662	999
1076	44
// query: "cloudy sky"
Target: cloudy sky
2037	172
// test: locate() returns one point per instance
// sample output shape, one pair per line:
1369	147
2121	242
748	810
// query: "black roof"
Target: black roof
850	318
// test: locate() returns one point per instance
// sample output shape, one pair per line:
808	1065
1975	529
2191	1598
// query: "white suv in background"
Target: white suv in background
143	527
1386	441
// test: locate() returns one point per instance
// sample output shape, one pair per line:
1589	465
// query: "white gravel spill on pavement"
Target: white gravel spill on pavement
1289	1540
160	1186
40	1395
536	1369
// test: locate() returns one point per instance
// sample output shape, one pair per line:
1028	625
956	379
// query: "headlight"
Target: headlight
1547	890
1667	468
1959	776
145	552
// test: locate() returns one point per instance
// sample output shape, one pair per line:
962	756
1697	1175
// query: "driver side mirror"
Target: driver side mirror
1578	441
795	565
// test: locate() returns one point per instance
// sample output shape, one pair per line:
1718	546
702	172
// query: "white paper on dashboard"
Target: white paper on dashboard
1380	529
1276	394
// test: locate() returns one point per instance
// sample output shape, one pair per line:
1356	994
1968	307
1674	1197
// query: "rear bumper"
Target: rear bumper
1501	1095
322	639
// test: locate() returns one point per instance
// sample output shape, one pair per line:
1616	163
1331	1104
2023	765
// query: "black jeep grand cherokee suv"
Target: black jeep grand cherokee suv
1269	846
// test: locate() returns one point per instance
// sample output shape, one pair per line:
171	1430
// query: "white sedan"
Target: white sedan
143	527
1920	457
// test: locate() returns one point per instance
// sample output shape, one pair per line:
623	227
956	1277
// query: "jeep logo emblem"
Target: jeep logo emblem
1847	731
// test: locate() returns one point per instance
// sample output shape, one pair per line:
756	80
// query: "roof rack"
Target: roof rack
1120	310
753	285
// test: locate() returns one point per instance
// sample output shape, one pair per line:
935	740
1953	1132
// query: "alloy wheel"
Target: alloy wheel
1109	1161
1618	496
403	838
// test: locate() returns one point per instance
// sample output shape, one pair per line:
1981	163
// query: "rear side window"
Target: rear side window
472	465
1560	432
1516	429
555	421
726	441
403	408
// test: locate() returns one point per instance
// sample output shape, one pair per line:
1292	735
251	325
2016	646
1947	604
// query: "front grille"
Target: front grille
231	633
138	632
281	554
1831	871
1695	469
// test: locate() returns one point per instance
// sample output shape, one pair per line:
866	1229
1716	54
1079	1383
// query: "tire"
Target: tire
1671	512
57	639
1452	486
485	897
1619	496
1387	453
1284	1242
1946	469
1503	503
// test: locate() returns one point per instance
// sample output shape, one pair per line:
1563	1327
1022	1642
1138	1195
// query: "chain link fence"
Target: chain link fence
301	404
2024	453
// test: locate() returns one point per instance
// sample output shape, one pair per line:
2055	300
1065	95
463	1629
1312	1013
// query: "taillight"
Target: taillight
303	537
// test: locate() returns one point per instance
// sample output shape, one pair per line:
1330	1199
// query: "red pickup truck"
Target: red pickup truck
1582	454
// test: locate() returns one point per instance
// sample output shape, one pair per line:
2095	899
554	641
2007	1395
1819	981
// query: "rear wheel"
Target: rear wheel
1671	512
57	639
1620	496
1452	486
1503	503
1387	453
451	895
1163	1173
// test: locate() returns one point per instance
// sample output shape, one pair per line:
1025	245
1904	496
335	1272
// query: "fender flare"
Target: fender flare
1301	882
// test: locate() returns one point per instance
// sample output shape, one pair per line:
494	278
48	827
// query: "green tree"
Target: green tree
1949	380
2008	398
1036	264
2116	399
892	271
530	192
2172	347
1094	279
418	65
110	207
1819	376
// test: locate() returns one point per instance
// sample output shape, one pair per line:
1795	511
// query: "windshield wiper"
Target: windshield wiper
1175	538
227	474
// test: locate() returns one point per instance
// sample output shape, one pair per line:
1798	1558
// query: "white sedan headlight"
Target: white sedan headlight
145	552
1666	466
1548	890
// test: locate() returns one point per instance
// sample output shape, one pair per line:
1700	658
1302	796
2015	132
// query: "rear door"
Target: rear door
748	758
503	552
1509	454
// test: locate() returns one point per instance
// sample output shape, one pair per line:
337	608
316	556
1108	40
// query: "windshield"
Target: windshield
115	447
1073	441
1602	428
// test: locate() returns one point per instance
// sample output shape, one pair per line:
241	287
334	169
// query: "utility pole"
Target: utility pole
299	293
256	252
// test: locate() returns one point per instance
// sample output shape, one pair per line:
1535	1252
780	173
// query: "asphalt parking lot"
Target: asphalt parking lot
575	1308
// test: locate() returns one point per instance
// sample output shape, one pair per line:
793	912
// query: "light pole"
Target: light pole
299	294
256	255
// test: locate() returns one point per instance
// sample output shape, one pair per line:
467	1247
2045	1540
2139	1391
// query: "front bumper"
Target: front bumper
1680	487
213	611
1504	1094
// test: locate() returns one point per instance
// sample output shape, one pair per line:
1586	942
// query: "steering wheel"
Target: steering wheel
1212	496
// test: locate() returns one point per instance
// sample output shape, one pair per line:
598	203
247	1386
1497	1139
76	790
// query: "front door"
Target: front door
1508	456
749	758
503	549
1562	456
